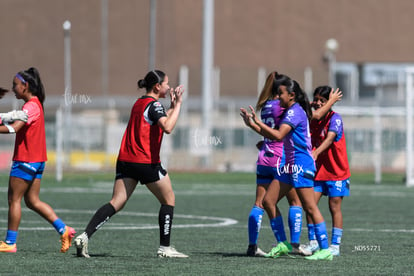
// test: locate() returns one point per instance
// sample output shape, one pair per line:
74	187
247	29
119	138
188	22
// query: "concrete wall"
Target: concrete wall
287	35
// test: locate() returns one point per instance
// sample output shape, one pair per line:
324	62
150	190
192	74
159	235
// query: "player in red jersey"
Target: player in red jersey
139	161
332	176
29	161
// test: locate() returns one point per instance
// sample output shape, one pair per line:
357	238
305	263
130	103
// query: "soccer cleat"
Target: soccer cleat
310	248
169	252
66	238
283	248
81	243
4	247
323	254
253	251
299	250
334	250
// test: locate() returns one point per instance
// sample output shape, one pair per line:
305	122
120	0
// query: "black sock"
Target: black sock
165	218
101	216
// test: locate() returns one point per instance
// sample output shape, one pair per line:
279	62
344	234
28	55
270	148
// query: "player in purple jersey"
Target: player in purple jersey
269	159
299	168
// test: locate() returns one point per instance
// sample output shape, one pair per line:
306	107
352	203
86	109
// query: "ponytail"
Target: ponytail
31	76
302	99
270	89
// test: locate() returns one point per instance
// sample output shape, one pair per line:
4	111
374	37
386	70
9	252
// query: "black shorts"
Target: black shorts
143	173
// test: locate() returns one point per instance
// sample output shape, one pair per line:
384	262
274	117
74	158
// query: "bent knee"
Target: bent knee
31	204
268	203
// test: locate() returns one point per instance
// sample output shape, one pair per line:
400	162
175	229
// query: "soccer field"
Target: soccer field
210	225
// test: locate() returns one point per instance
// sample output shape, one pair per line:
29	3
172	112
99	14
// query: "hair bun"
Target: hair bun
142	83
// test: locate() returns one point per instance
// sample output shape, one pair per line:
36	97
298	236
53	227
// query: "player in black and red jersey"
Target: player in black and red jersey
139	161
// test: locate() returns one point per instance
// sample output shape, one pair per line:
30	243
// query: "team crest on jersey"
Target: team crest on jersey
158	107
338	122
290	113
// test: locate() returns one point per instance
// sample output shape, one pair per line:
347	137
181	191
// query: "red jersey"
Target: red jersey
30	145
332	164
141	142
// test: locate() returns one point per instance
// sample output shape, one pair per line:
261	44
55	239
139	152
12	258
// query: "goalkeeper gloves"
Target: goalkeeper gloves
10	117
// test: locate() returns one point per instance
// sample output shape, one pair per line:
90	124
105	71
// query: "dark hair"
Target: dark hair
323	91
32	77
270	88
152	78
300	97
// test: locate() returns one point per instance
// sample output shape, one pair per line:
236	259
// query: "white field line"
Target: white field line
226	189
347	229
209	221
216	222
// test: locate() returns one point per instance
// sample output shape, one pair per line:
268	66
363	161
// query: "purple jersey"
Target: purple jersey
271	153
297	143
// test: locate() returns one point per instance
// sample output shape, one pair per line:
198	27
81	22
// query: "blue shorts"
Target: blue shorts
302	179
27	171
333	188
266	174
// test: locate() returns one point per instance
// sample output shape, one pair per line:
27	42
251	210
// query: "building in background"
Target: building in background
285	35
373	37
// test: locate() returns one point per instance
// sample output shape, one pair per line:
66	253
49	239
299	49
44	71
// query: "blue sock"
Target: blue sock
322	235
336	236
255	221
11	237
59	226
311	232
295	223
278	229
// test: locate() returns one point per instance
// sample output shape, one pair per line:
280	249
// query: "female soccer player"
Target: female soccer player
299	168
29	161
332	168
139	161
270	157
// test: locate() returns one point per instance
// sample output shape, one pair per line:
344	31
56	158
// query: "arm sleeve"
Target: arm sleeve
290	119
32	111
156	111
336	125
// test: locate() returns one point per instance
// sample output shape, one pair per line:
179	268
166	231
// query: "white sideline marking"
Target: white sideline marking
381	230
221	222
217	221
347	229
222	189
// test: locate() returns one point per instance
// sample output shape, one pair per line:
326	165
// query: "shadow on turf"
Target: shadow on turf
224	255
105	255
